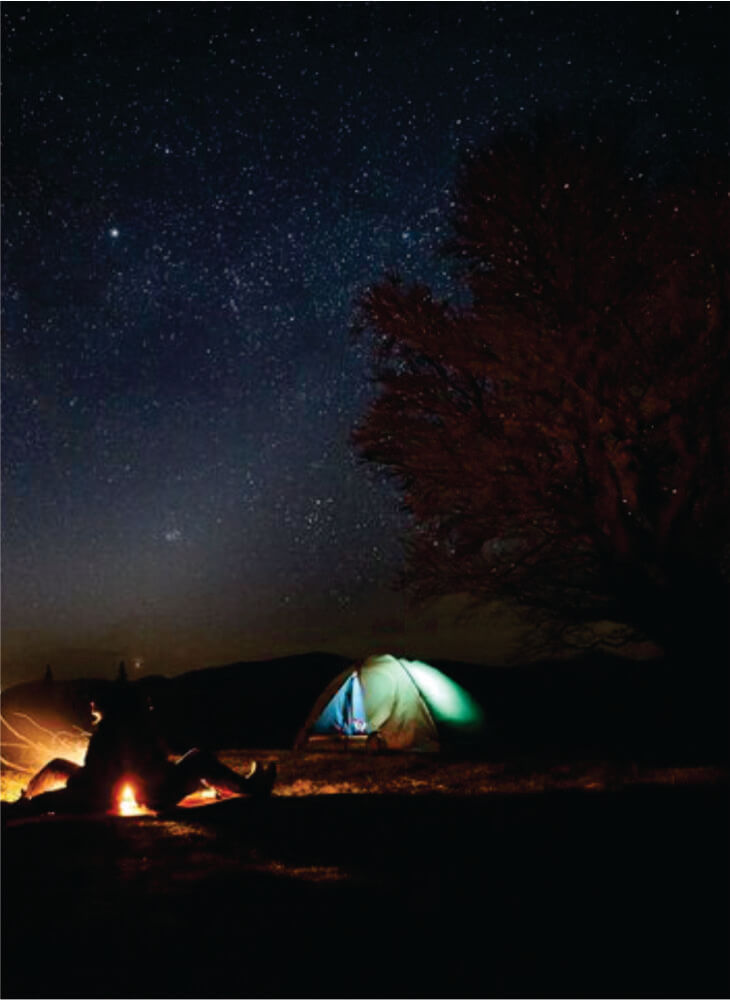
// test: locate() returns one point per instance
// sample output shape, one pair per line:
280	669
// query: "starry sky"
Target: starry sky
194	195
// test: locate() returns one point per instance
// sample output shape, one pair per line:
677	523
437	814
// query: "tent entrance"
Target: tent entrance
344	714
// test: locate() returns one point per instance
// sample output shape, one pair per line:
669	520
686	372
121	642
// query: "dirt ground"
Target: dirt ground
390	877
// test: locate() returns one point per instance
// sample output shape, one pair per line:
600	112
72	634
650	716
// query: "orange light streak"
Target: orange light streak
30	753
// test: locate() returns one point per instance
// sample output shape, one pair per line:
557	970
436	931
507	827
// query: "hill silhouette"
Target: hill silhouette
593	706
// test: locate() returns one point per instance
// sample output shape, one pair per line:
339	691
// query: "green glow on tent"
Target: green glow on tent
449	703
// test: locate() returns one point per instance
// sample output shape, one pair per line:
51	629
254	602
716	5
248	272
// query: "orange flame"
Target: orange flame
127	804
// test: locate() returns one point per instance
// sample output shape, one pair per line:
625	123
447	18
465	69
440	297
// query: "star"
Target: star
199	360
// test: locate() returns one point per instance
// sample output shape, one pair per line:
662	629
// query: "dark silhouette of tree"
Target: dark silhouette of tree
48	675
122	673
563	438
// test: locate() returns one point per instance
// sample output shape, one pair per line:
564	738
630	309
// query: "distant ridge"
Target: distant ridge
248	703
592	706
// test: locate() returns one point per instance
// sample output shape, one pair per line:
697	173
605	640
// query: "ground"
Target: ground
396	876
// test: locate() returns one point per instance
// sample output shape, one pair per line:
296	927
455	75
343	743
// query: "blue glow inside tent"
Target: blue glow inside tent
345	713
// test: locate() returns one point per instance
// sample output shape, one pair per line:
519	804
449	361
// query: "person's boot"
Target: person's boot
261	781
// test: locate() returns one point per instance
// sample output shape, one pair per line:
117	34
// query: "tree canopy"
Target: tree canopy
563	437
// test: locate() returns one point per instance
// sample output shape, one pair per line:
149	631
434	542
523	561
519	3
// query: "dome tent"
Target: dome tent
393	703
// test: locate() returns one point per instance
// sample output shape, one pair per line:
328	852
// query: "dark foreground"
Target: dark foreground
555	894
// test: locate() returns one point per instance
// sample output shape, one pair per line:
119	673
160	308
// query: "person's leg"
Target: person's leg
52	775
198	766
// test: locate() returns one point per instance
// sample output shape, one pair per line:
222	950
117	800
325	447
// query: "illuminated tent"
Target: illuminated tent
390	703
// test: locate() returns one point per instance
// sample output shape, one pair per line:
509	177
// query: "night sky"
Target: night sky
194	197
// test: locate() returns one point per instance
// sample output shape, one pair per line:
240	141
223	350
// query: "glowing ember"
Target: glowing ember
127	804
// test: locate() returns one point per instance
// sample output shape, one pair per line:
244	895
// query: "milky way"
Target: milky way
194	197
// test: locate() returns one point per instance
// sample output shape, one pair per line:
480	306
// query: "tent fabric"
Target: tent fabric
394	706
401	703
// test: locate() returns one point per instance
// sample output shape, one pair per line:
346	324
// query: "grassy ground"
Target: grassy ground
400	876
303	774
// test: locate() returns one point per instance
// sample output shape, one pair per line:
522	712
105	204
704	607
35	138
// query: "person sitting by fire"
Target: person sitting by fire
126	748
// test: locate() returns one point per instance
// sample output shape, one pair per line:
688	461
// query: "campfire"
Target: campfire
126	803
